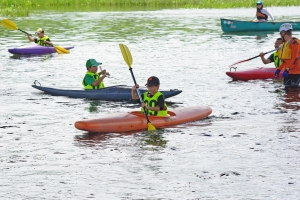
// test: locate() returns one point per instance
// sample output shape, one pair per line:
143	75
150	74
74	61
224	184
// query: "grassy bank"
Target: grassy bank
23	7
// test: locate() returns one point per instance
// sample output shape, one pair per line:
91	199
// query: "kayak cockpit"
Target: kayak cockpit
140	114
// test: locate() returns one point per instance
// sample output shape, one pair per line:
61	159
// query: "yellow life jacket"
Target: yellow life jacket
277	61
40	41
152	102
285	52
96	77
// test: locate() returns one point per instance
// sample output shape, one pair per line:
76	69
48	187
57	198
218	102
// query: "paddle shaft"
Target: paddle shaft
253	57
24	32
259	55
139	94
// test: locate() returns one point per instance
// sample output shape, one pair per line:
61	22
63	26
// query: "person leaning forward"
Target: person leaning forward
290	56
274	56
92	79
42	39
153	100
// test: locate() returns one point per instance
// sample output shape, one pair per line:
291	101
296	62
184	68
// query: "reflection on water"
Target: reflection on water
96	106
291	98
153	138
256	35
32	57
99	139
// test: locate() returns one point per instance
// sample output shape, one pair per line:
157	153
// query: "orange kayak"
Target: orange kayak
133	121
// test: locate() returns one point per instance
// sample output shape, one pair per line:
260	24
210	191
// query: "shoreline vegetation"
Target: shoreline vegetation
13	8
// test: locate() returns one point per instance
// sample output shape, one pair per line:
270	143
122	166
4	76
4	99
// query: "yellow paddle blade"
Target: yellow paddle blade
151	127
126	54
9	24
61	50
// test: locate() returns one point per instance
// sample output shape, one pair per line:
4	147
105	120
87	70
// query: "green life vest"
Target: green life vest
277	61
152	102
40	41
95	77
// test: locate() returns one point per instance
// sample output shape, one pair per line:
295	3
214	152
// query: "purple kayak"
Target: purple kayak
35	49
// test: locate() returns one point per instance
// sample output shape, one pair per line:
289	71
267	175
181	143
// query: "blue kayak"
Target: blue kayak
230	25
113	93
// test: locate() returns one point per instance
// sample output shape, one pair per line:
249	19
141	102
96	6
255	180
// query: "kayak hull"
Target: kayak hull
113	93
35	49
134	121
254	74
229	25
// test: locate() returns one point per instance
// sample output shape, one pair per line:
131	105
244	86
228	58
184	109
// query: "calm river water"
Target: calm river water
248	148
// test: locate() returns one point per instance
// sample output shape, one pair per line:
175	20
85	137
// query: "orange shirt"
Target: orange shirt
294	62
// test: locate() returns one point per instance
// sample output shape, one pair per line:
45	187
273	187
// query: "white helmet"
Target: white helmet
285	27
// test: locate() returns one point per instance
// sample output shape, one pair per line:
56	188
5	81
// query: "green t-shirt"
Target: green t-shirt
88	79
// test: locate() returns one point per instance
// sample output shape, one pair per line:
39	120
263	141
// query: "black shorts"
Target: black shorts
293	80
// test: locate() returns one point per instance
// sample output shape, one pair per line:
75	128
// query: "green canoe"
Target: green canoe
229	25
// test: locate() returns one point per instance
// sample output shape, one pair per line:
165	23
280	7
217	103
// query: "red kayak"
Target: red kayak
254	74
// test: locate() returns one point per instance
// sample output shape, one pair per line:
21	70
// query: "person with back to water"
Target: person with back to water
289	53
42	39
262	13
92	79
274	56
153	100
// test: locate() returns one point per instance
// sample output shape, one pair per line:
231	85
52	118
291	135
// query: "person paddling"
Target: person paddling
262	13
153	100
274	56
92	79
290	56
42	39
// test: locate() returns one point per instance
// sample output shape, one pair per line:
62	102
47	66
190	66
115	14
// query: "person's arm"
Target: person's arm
48	41
99	80
134	95
30	38
265	11
264	60
88	79
291	63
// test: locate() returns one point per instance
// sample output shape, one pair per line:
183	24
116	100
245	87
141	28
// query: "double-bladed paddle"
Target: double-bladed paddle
128	59
12	26
254	57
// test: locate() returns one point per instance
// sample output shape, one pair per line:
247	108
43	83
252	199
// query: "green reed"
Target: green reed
23	7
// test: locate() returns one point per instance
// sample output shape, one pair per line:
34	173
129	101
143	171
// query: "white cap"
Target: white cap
285	27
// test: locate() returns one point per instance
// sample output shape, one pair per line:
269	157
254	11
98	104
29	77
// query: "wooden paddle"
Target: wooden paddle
254	57
12	26
128	59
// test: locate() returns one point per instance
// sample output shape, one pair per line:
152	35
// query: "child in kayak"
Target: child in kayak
274	56
42	39
92	79
153	100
